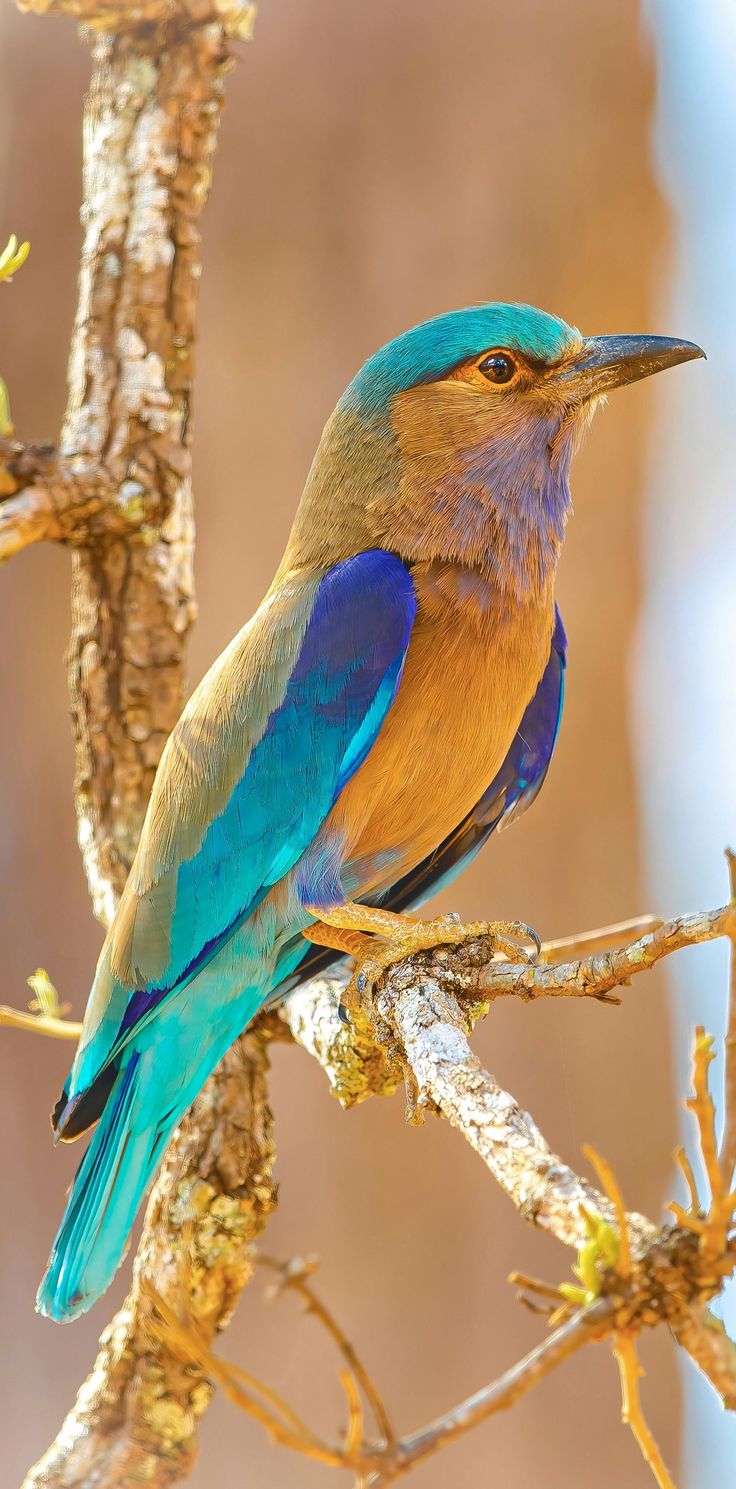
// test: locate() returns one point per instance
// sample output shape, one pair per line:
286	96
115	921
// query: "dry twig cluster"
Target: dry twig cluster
117	493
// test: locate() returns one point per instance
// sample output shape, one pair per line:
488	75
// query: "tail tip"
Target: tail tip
53	1303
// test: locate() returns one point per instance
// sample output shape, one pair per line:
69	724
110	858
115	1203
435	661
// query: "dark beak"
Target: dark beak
607	362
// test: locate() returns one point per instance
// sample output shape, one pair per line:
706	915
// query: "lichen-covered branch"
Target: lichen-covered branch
234	17
150	129
710	1348
471	972
356	1063
432	1031
598	975
117	493
364	1062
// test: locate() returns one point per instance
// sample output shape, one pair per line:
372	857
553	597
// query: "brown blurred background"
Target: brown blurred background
377	164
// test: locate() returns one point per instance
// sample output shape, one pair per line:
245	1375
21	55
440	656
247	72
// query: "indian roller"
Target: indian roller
394	699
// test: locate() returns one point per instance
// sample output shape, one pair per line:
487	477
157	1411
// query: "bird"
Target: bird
394	699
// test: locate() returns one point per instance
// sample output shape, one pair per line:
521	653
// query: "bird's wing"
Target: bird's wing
511	791
250	772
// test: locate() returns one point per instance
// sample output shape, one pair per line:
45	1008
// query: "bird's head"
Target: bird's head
454	441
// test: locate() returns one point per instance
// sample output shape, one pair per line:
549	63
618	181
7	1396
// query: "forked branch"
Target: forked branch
633	1276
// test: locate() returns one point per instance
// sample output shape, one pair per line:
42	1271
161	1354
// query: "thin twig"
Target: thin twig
603	938
630	1370
715	1226
596	976
534	1285
354	1430
686	1169
387	1461
176	1331
591	1323
294	1276
39	1023
251	1395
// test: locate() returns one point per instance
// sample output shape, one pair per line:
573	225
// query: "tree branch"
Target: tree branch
421	1025
362	1062
447	1073
604	938
504	1392
119	495
150	131
633	1276
704	1338
295	1276
66	499
596	976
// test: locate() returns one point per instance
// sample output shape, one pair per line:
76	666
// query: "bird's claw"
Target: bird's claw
507	937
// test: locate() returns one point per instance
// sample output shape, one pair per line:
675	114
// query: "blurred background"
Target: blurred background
379	164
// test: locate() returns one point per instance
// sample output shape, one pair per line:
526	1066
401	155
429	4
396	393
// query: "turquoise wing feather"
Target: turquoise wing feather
246	781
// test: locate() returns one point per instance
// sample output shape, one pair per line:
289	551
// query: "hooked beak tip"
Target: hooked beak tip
608	362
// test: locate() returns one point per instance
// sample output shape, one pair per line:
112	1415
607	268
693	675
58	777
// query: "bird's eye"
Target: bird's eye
498	367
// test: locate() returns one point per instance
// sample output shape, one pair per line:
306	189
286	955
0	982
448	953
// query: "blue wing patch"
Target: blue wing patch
340	688
339	692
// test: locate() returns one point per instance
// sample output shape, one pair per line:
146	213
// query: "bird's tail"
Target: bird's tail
91	1240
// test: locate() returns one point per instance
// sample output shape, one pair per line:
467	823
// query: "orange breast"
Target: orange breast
474	661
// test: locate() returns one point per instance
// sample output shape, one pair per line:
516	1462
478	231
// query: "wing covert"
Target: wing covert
340	686
252	768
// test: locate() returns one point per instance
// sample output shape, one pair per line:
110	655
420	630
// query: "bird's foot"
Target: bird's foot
374	959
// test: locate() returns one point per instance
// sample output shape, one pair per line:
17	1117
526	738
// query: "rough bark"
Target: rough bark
150	129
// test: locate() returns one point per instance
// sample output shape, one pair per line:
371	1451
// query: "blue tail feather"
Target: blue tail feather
151	1090
91	1240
